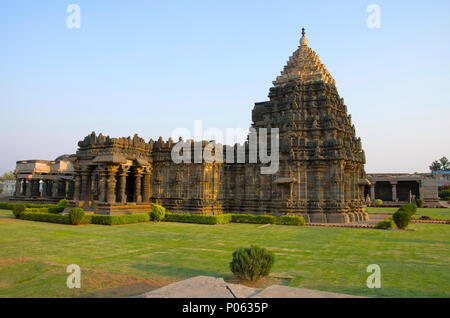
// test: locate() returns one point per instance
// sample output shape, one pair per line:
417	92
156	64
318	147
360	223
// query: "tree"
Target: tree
8	176
440	165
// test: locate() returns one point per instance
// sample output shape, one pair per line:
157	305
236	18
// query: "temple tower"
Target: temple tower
321	159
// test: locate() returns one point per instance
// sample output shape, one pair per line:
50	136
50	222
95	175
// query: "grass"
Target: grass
441	213
130	259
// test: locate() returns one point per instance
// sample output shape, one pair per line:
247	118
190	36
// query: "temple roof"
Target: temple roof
304	65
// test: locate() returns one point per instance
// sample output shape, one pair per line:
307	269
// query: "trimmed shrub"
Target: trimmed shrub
419	203
87	219
251	263
257	219
291	220
119	219
198	218
62	203
6	206
45	217
410	208
19	209
401	218
42	210
377	202
385	224
56	209
157	213
76	216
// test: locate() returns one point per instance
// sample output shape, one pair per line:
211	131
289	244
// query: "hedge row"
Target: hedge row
45	217
198	218
118	219
234	218
87	219
48	213
291	220
250	218
10	206
52	209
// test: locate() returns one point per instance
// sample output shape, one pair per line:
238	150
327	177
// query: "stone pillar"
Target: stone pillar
137	189
394	191
55	187
86	185
28	188
44	188
111	185
146	187
18	187
77	187
102	186
123	182
372	191
71	190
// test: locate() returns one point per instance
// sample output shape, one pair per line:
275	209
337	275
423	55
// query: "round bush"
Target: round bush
251	263
410	208
157	213
18	209
401	218
62	203
377	202
76	216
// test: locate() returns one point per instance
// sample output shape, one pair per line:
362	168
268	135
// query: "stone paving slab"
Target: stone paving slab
277	291
196	287
211	287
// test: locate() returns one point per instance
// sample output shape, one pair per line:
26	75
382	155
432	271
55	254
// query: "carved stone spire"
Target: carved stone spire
304	66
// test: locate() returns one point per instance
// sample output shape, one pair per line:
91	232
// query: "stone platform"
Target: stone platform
212	287
112	209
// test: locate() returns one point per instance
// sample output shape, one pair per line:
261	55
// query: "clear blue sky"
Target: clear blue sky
148	67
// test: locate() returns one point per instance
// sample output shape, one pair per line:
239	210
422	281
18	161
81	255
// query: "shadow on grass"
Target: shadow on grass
175	271
121	291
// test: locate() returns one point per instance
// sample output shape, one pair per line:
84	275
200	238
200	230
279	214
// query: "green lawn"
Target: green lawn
130	259
443	214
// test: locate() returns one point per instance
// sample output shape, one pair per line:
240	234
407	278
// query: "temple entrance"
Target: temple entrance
404	187
130	188
383	190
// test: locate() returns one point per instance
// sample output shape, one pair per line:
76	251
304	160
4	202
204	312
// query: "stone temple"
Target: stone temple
321	162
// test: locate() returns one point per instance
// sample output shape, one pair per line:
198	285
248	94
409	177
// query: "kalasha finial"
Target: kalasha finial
303	40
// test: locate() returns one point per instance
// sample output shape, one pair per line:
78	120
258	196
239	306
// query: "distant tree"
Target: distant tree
440	165
8	176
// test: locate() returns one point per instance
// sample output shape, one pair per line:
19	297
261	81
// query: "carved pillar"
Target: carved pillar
394	191
93	186
122	185
111	184
86	185
372	191
44	188
146	185
77	186
137	189
28	188
102	186
55	186
18	187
